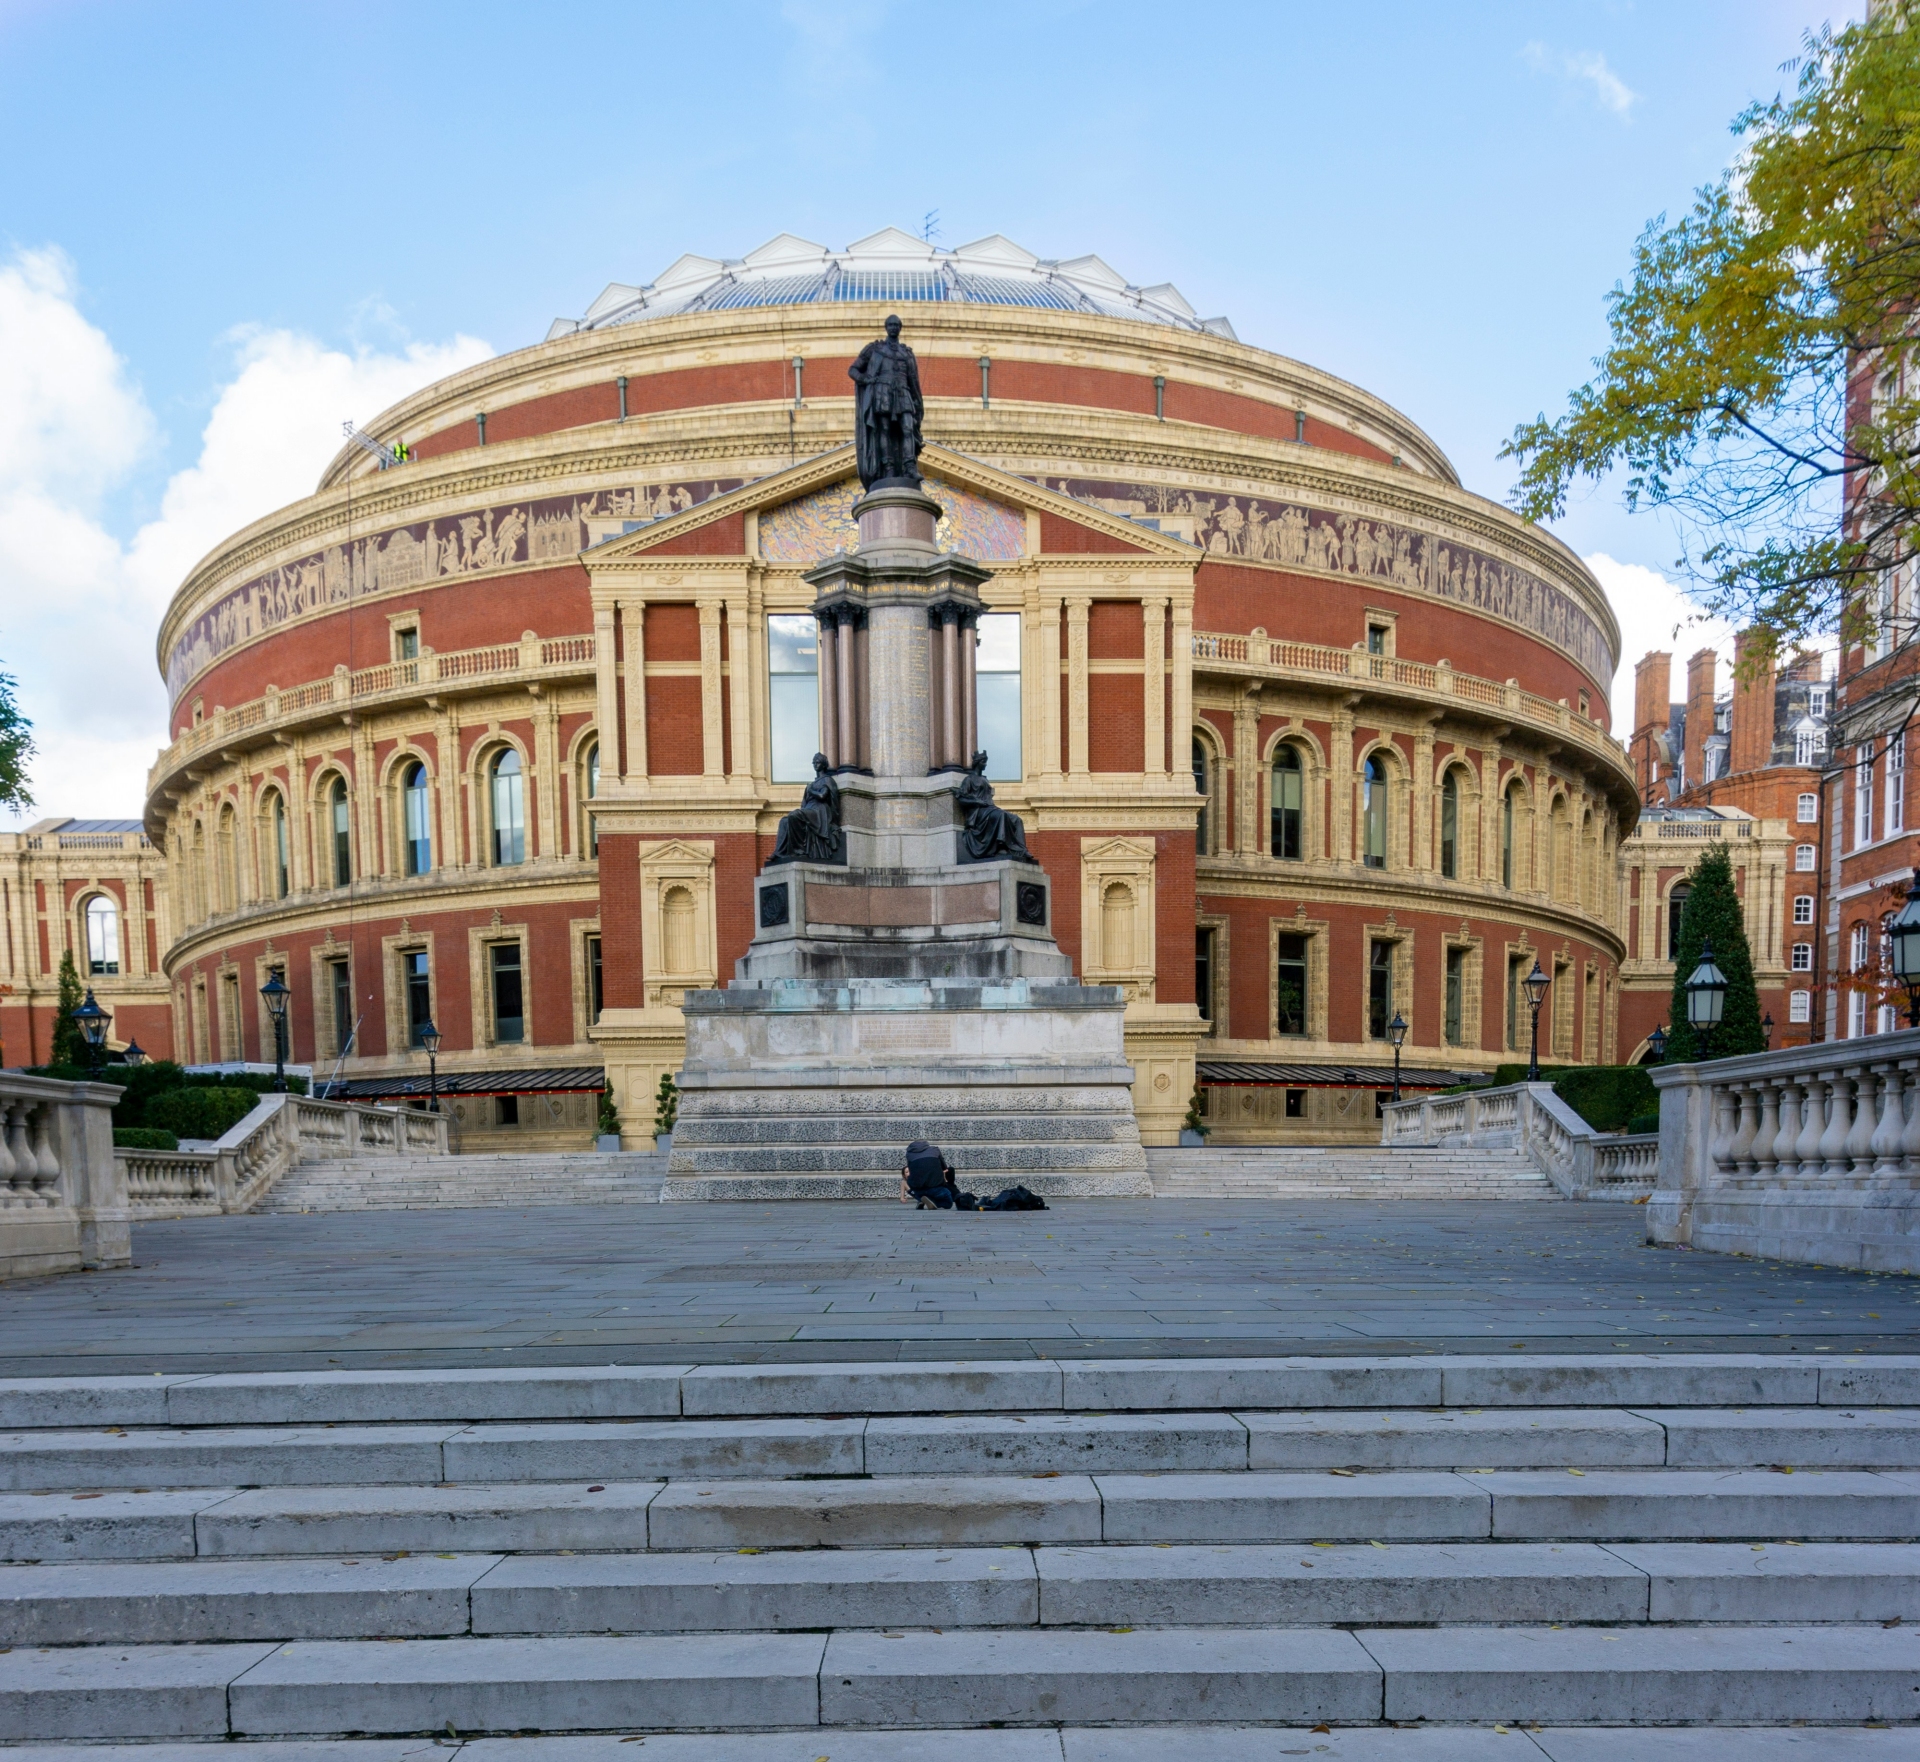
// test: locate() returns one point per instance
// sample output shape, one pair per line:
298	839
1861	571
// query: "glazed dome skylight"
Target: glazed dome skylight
894	267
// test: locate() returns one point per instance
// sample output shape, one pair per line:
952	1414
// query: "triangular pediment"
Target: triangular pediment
804	514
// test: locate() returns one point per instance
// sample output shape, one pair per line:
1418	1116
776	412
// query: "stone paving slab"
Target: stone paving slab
101	1526
1036	1443
761	1746
656	1449
1297	1674
505	1685
1732	1744
1232	1383
1702	1380
283	1750
1811	1581
120	1691
899	1511
101	1401
609	1392
1816	1437
239	1457
1524	1437
1698	1504
1267	1507
1262	1585
1709	1675
458	1519
870	1388
155	1603
1266	1743
641	1593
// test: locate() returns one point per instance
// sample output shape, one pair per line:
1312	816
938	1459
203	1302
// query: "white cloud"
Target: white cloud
79	609
1587	65
1654	613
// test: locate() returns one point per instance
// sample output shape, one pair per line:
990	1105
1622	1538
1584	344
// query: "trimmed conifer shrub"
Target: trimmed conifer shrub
1712	915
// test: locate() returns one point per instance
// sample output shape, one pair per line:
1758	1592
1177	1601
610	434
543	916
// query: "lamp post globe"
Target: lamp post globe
92	1022
430	1039
1903	949
1657	1043
276	994
1535	986
1397	1036
1706	998
136	1054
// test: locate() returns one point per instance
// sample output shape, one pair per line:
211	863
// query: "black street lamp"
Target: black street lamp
1766	1032
1657	1043
1535	985
1397	1034
276	994
136	1054
1706	999
92	1021
430	1039
1903	937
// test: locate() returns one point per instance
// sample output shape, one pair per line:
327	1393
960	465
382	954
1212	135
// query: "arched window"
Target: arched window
277	831
1506	837
103	935
1450	825
1288	827
342	833
593	790
1203	787
1373	812
509	810
1116	927
678	929
417	815
1676	904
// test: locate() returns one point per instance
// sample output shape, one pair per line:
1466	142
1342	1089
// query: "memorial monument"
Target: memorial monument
903	980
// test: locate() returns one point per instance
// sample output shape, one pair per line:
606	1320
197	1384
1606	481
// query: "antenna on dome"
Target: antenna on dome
397	454
930	225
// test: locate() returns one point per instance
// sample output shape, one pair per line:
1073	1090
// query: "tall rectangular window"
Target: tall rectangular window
1803	858
1896	784
413	972
1803	908
419	838
1203	973
596	992
1506	839
342	834
1287	804
1456	996
1803	957
1799	1006
1808	809
793	696
1379	989
1290	984
996	664
1450	826
340	984
509	1017
1863	798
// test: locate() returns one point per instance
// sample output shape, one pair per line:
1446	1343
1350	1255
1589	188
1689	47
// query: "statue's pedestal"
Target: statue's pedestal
908	992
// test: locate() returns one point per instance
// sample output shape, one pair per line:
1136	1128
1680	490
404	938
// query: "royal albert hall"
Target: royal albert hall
1308	737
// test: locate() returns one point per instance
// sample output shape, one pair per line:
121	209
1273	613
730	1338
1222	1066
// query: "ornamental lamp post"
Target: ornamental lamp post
1535	985
1657	1043
1766	1032
430	1039
136	1054
1397	1034
93	1020
1903	938
1706	998
276	994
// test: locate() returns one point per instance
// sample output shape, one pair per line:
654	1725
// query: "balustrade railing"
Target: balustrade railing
1818	1145
62	1202
242	1167
1581	1162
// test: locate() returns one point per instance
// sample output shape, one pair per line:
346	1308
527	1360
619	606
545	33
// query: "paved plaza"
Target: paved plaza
749	1283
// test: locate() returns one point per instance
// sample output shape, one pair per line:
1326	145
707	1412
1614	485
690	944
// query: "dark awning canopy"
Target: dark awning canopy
569	1079
1227	1074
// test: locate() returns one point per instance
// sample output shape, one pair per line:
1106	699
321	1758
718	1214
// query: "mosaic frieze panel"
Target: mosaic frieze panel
1344	544
548	528
822	525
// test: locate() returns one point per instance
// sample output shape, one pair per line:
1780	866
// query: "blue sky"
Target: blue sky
224	228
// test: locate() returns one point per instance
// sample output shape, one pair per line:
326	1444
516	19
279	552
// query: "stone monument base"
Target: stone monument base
805	1090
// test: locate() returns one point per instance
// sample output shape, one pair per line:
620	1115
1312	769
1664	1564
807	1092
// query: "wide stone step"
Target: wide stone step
905	1679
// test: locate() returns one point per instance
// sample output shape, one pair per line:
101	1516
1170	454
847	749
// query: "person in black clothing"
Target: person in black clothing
927	1183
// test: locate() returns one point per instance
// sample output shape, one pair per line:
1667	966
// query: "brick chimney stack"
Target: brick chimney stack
1699	714
1652	688
1752	737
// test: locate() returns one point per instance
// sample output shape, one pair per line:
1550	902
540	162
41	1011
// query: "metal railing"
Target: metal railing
1580	1161
241	1168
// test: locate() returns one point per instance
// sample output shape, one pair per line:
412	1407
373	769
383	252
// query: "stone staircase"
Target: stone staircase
1346	1172
1123	1561
409	1183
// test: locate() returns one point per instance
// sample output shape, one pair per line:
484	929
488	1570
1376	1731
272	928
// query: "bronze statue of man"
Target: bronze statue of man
887	411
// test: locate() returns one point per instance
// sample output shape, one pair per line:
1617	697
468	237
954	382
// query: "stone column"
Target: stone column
828	638
448	834
1049	671
633	632
739	692
1153	618
606	692
969	687
546	748
1180	708
366	797
1423	854
1246	771
712	735
1341	784
1490	815
898	702
1077	686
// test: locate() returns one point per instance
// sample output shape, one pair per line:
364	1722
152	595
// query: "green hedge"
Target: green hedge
199	1111
1609	1097
143	1138
142	1083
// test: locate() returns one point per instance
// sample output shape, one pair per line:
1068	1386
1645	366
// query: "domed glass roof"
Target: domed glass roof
894	267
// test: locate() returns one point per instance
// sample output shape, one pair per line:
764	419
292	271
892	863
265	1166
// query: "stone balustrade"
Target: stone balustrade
1580	1161
63	1201
241	1168
1807	1154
